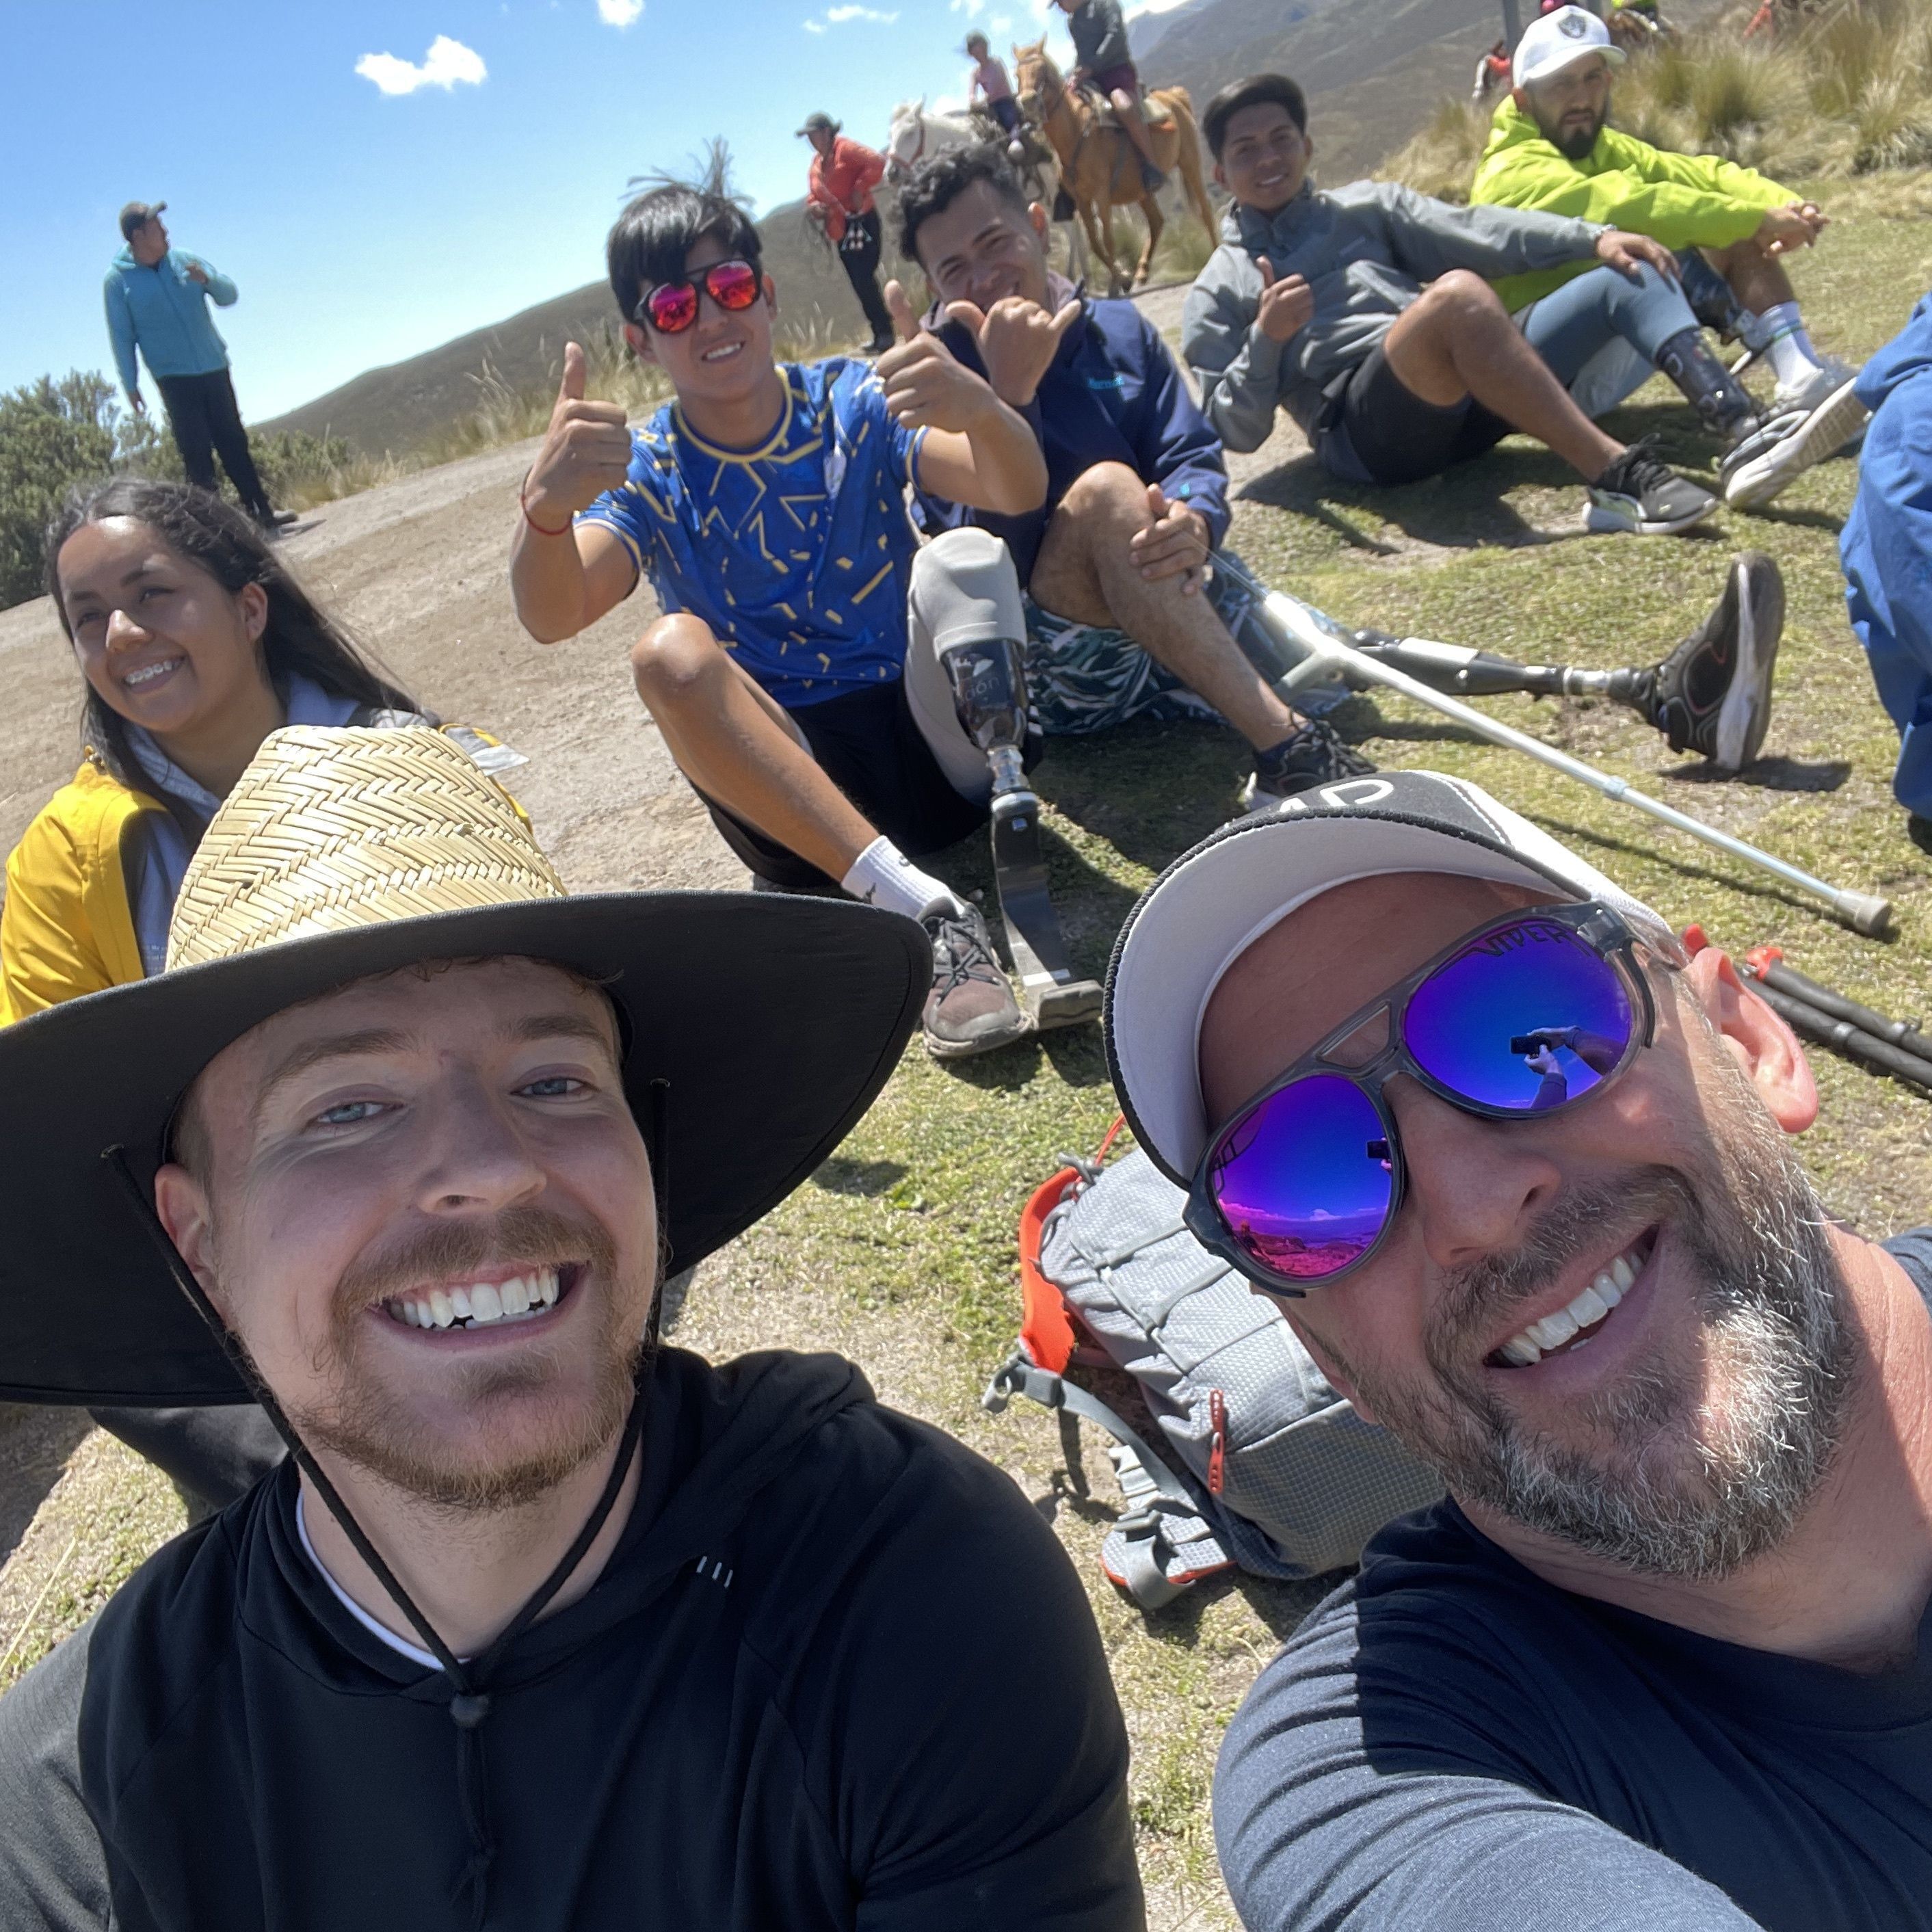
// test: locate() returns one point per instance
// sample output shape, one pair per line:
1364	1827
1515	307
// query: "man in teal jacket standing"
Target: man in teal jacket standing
157	299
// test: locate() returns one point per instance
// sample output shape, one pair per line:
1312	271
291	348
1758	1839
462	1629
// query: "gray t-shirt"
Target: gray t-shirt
1451	1744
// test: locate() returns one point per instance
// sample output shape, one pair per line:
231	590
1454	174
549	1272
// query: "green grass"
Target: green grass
902	1250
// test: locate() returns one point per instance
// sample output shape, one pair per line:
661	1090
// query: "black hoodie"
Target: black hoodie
837	1673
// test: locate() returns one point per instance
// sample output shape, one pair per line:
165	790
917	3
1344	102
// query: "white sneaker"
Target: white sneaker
1768	461
1831	375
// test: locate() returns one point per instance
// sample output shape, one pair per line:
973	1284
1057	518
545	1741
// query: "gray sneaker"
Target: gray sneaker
1641	494
1762	465
971	1009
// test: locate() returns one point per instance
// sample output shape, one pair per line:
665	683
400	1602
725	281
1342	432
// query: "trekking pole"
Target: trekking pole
1328	649
1772	982
1765	963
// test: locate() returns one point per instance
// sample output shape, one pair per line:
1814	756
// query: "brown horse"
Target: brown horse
1099	167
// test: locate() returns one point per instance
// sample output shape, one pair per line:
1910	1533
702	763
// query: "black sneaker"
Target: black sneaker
1640	493
1712	695
1311	756
880	343
971	1009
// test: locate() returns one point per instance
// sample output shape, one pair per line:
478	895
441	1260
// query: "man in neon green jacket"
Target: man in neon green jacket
1550	148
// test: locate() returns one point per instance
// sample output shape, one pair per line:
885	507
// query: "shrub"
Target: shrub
52	436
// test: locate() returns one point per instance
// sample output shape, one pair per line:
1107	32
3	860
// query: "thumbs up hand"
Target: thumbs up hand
926	387
1286	305
586	450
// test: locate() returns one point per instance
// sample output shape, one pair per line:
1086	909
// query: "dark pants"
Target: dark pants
1007	113
202	413
859	249
214	1454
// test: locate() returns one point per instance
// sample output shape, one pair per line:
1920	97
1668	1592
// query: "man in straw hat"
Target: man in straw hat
1517	1173
542	1625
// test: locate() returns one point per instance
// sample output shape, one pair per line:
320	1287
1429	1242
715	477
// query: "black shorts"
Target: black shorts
868	744
1392	435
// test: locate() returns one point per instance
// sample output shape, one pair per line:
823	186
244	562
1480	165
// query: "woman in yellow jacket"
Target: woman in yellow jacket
194	642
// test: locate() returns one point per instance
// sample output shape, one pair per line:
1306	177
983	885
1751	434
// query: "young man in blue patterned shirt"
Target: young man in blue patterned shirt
794	672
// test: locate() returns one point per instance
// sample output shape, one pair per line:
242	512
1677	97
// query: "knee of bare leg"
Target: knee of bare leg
1108	489
675	655
1463	291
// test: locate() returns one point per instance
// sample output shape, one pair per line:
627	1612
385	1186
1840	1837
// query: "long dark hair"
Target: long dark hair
201	529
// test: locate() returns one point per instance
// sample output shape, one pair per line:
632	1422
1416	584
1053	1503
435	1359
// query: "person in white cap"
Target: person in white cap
1517	1172
1551	148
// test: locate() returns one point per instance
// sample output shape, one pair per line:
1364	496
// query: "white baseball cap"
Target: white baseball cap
1560	39
1213	903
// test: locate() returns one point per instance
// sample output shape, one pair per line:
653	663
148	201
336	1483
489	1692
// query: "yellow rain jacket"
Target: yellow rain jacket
67	927
1684	201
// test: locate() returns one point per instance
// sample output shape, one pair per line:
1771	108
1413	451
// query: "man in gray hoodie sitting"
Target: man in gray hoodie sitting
1365	313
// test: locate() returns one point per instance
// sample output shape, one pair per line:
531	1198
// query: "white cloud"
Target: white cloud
619	13
447	62
1000	23
972	9
837	17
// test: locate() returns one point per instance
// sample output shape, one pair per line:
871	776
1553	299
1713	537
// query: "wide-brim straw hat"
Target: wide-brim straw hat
341	853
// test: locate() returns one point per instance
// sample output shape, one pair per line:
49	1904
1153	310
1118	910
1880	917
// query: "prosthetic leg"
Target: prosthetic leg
987	678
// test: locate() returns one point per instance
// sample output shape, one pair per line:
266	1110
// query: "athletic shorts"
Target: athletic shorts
1125	78
1378	430
868	743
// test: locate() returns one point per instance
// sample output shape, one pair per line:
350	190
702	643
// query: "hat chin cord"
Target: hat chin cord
469	1699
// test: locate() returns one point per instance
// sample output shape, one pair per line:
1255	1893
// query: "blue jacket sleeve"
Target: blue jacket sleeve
121	334
220	290
1177	448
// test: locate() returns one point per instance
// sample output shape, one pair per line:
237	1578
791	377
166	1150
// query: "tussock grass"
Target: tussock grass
1848	93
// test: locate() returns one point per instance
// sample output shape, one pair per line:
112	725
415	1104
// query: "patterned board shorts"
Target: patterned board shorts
1088	677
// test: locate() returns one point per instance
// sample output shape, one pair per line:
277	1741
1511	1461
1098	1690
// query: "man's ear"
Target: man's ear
638	340
1290	1309
1037	214
1221	178
182	1205
1763	1046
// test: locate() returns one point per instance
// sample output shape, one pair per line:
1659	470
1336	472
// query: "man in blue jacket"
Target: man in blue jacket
1124	617
157	299
1886	549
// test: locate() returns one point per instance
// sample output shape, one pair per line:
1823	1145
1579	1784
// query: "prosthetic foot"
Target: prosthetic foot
988	684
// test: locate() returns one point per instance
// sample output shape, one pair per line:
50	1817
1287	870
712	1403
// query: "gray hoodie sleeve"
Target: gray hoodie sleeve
1238	368
1429	238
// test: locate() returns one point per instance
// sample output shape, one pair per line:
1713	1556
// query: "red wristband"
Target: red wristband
541	529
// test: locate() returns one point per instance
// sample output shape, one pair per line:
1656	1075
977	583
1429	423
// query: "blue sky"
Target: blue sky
362	225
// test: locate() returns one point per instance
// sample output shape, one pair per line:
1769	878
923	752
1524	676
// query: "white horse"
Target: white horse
912	135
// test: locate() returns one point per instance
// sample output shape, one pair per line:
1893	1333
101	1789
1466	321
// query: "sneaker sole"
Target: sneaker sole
971	1049
1744	716
1832	424
1603	521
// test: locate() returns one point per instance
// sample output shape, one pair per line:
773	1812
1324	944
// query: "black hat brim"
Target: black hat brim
775	1022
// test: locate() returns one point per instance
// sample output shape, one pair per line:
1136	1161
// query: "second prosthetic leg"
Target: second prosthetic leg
988	680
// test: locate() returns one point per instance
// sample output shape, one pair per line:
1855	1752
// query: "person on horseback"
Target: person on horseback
1367	314
1104	61
990	83
1125	617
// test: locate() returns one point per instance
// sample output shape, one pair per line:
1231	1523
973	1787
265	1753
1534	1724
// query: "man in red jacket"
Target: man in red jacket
839	197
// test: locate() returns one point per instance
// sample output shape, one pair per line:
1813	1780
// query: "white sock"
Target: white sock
882	875
1791	356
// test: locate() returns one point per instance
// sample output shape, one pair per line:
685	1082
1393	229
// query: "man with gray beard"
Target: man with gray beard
1515	1170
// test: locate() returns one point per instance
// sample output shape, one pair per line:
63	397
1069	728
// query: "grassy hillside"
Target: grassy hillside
413	406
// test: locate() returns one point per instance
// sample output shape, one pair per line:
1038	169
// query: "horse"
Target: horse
914	135
1099	167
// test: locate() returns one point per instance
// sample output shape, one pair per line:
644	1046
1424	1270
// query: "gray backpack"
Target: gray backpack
1255	1462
